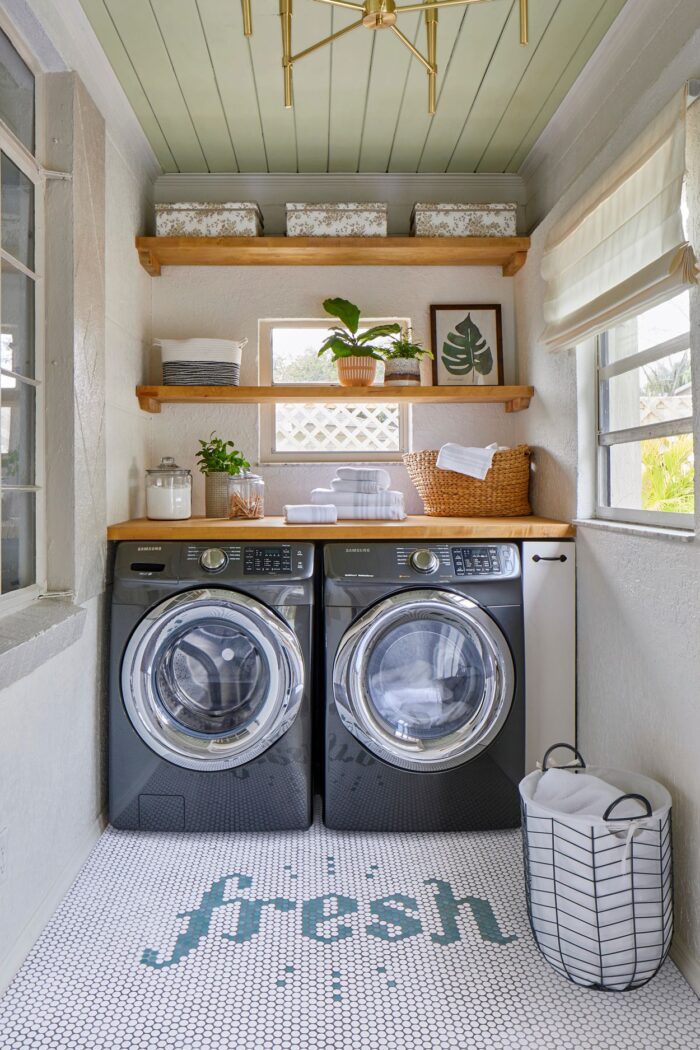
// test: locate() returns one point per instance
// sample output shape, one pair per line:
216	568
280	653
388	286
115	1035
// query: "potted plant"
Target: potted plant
402	361
219	460
356	354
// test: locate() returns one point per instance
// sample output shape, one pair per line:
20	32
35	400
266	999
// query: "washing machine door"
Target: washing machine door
424	679
211	678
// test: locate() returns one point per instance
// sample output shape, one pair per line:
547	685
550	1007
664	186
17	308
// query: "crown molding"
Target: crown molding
400	191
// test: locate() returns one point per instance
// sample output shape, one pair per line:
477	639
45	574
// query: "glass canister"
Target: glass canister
246	496
168	491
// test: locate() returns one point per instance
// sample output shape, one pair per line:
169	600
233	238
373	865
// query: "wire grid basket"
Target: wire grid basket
445	493
600	891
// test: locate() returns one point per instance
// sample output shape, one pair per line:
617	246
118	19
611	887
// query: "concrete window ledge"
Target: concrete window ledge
36	634
629	528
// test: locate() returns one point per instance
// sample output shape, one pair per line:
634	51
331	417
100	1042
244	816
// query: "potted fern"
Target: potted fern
355	353
402	360
219	460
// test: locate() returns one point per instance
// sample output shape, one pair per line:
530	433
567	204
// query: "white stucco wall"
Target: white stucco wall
228	302
637	605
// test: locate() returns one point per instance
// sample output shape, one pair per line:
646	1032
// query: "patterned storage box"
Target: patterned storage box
189	219
336	220
463	220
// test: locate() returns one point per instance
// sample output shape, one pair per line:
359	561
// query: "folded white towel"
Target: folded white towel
385	504
475	462
376	474
316	513
582	794
346	485
371	513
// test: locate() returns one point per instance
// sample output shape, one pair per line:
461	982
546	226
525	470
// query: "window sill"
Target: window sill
34	635
628	528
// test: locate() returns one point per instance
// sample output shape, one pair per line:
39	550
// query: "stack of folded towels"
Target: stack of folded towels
361	492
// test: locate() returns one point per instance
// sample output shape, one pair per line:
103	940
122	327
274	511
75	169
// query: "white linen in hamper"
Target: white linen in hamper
474	462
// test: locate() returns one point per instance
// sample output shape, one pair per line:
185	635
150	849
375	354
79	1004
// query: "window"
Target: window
296	432
21	390
645	427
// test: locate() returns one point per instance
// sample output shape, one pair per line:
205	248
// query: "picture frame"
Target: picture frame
477	344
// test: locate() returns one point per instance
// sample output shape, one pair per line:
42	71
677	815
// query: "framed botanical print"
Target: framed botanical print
467	345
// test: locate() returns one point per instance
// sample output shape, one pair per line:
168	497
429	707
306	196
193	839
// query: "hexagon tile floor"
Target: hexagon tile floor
311	940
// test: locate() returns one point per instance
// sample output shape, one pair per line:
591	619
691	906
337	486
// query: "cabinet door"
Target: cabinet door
549	599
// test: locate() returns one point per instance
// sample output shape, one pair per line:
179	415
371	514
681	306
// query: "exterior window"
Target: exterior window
645	426
21	359
297	432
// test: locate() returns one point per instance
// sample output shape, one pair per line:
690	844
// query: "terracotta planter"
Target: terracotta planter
216	494
356	371
402	371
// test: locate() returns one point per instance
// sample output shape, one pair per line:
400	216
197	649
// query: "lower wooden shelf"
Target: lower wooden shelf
513	398
414	527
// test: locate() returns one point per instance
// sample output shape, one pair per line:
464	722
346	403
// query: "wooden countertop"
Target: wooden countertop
414	527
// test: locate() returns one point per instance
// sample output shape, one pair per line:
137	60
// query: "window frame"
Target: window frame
266	412
28	163
610	438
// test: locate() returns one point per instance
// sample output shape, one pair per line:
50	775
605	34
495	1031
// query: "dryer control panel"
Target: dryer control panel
423	562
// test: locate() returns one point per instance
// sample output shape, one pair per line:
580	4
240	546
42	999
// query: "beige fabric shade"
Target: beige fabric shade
622	248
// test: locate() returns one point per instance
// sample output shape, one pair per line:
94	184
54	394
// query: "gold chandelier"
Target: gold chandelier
374	14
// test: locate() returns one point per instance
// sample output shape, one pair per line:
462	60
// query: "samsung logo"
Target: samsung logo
149	548
357	550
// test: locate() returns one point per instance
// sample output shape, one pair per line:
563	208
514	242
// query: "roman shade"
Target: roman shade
622	248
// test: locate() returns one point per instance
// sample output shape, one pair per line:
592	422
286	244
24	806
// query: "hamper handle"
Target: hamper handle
570	747
623	798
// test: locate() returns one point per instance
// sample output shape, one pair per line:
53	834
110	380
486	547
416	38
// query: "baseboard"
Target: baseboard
686	963
17	953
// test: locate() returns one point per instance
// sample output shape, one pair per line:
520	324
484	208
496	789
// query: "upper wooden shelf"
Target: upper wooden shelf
514	398
509	253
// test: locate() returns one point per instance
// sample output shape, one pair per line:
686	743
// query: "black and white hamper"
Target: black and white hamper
201	362
599	889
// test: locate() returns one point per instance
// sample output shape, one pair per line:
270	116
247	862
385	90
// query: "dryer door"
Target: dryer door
424	679
211	678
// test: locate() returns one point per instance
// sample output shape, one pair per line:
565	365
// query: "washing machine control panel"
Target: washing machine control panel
479	560
213	559
232	561
267	560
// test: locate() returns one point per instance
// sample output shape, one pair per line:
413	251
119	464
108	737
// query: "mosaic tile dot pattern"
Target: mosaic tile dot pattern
210	941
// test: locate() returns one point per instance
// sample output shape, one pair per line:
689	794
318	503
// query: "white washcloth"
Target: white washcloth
316	513
385	504
376	474
582	794
476	462
346	485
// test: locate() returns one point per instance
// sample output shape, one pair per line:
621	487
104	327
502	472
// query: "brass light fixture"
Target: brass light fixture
374	14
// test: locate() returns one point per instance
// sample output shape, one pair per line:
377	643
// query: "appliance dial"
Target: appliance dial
424	561
213	559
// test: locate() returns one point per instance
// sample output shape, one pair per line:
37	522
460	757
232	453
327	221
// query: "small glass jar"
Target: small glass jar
168	491
246	496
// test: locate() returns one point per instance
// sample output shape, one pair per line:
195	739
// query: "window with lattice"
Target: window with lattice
313	431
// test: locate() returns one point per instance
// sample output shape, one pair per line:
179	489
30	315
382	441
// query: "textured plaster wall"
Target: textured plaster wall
637	601
228	302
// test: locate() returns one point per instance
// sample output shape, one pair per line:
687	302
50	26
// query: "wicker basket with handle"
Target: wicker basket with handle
502	494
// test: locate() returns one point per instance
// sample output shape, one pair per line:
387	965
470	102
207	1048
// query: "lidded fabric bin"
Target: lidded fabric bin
599	890
211	219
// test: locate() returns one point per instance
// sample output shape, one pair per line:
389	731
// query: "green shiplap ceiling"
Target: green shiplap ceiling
211	100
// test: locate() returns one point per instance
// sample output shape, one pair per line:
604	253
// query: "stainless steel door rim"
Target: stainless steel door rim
168	724
491	679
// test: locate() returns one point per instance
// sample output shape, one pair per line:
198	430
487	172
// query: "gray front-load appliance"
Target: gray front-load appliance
424	719
210	721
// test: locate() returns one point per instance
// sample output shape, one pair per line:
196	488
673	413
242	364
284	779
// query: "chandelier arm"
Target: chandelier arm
326	40
286	20
431	23
414	50
433	4
524	20
247	18
342	3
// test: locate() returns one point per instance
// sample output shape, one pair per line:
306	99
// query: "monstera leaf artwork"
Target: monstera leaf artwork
466	351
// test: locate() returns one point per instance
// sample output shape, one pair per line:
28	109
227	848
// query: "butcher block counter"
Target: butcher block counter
414	527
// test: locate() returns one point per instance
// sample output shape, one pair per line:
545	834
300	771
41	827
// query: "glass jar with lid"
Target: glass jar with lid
246	496
168	491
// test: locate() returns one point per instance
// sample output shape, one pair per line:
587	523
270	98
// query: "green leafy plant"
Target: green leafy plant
406	349
465	350
217	456
344	340
668	473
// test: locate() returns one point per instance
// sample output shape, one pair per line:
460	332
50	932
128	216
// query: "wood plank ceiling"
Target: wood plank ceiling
210	99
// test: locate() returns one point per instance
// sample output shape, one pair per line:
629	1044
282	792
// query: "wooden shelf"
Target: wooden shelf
509	253
514	398
414	527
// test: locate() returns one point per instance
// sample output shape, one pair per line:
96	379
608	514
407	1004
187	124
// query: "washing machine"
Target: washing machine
424	713
210	721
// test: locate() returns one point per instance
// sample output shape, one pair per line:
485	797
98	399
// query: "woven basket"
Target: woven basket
502	494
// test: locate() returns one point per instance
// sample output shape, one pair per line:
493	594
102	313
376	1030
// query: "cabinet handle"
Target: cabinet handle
539	557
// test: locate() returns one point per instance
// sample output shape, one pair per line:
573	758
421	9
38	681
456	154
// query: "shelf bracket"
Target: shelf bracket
517	404
148	403
515	263
149	261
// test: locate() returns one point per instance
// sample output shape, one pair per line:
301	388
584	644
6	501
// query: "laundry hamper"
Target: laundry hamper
599	891
503	493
